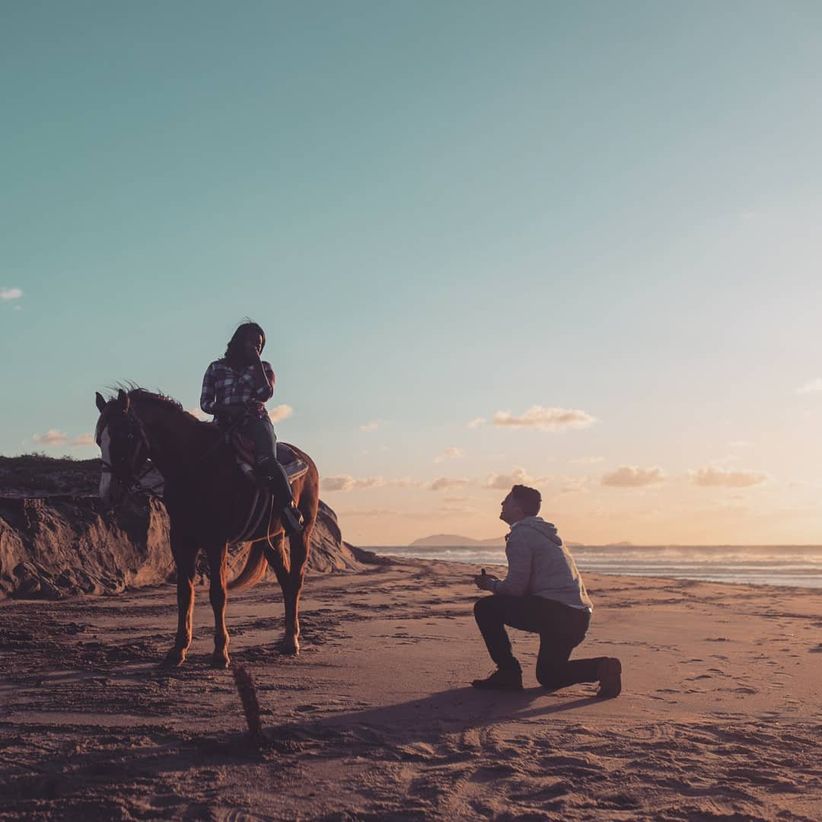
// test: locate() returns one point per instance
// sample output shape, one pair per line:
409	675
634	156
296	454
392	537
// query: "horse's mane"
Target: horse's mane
142	395
138	394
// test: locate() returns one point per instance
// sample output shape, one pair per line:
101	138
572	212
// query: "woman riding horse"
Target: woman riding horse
207	499
235	390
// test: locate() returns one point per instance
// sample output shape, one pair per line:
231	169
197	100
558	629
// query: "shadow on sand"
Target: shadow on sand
453	712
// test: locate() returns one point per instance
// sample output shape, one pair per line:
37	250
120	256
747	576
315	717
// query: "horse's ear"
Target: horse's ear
122	399
101	403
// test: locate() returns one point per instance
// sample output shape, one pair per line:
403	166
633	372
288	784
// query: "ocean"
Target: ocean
797	566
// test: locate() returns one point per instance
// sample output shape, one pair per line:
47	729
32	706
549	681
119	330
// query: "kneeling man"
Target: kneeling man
542	593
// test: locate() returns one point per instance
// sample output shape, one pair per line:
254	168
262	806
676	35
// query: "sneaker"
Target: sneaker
609	674
503	679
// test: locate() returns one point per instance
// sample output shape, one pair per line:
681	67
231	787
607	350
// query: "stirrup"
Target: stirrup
292	520
265	469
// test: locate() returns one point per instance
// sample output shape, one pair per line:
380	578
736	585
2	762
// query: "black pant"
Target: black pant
560	628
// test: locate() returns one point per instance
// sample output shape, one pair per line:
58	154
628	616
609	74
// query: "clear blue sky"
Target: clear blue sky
438	211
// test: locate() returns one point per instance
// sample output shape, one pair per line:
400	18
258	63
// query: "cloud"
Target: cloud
443	483
586	460
455	509
280	413
631	476
370	512
503	482
404	482
51	437
545	419
477	422
719	477
450	453
810	387
345	482
371	426
574	485
9	294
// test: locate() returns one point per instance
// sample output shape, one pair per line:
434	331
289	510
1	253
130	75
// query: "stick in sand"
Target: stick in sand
248	697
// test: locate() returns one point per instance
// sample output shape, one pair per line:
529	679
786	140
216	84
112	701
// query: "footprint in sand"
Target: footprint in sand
490	773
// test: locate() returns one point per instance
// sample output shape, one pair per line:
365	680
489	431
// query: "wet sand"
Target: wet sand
720	716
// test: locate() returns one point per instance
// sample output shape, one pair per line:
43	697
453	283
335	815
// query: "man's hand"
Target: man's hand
485	582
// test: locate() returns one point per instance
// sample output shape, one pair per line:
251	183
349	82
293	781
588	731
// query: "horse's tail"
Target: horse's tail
253	570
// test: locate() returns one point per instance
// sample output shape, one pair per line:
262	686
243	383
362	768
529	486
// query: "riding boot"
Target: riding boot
274	474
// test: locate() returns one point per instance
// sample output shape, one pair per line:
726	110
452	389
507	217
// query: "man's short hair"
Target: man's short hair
529	499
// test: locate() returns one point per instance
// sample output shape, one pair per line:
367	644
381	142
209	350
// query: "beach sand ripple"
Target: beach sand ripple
720	716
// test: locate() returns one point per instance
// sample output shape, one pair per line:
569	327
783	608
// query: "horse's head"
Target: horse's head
123	444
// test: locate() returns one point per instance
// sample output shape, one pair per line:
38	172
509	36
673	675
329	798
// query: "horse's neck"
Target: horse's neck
177	440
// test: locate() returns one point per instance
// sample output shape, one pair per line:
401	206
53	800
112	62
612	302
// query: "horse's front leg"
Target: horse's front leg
217	595
184	550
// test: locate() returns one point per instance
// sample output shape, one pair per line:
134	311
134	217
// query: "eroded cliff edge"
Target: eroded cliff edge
58	539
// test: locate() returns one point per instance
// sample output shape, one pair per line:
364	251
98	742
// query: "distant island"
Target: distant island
455	540
458	541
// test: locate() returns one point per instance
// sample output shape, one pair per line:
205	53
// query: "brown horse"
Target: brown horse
206	495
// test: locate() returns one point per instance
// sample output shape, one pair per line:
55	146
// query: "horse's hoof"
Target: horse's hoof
174	659
220	661
290	647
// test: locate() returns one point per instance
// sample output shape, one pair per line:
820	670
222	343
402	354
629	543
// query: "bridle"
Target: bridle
132	470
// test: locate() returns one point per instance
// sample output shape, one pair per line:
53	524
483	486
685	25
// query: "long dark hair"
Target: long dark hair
234	350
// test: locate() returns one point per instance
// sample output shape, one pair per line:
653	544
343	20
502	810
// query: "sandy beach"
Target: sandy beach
720	715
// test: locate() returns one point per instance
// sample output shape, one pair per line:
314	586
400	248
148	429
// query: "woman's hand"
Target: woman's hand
251	352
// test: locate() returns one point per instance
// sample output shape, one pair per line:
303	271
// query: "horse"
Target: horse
206	495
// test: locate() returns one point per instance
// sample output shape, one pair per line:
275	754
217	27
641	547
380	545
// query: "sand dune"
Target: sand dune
720	716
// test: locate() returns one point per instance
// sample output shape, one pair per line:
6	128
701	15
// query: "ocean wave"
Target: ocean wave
794	566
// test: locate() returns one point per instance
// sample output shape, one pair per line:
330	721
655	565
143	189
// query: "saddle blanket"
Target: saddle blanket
261	508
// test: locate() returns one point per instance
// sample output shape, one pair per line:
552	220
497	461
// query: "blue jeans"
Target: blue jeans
261	432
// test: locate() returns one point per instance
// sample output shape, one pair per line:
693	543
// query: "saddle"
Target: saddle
243	449
254	525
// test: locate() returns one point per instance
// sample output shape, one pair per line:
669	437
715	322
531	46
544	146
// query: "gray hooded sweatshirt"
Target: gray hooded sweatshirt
539	564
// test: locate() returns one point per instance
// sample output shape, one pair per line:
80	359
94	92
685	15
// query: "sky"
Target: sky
569	244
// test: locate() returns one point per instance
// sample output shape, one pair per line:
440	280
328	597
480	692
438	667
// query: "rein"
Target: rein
225	434
135	481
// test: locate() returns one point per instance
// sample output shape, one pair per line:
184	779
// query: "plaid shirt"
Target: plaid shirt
227	390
